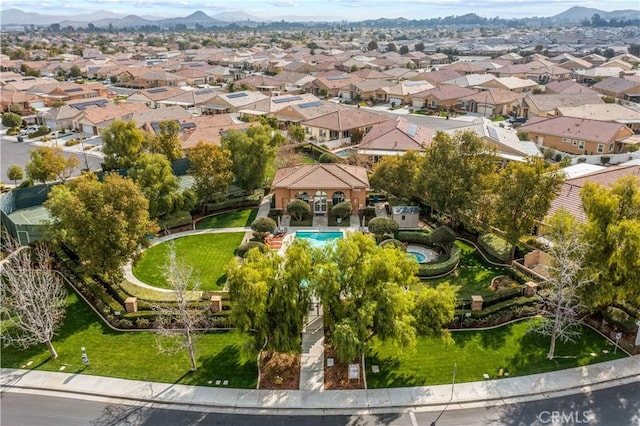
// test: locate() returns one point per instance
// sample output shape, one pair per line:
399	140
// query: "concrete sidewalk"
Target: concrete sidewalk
252	401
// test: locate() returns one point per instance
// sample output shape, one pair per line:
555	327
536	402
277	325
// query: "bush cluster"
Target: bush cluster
439	268
496	246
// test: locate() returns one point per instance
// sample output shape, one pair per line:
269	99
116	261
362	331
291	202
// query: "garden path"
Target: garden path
312	358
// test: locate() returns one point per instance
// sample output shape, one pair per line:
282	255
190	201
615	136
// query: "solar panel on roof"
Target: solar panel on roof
337	77
205	91
414	83
188	126
310	104
84	105
288	99
75	89
412	129
236	95
157	90
28	78
10	81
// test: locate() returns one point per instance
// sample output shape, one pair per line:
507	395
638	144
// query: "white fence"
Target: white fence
613	158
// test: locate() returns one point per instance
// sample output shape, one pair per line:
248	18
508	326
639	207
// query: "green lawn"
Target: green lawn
236	219
509	347
308	160
208	254
133	355
473	276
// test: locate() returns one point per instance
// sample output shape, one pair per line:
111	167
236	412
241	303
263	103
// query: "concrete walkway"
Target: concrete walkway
312	357
310	402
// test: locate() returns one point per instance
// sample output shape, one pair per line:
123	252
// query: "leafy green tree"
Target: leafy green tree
211	170
381	226
524	195
262	226
270	296
253	154
397	175
75	71
404	49
434	308
443	237
121	143
613	231
47	163
154	176
391	47
298	209
15	173
296	133
419	47
9	119
104	223
362	289
373	45
457	171
342	209
166	141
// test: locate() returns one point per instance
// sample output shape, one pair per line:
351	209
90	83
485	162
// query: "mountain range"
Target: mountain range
102	18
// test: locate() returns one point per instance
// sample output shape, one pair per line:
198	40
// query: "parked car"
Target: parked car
520	120
28	130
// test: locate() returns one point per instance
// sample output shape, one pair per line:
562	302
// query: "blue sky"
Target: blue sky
352	10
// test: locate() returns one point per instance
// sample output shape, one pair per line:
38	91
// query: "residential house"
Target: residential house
549	73
446	97
393	137
195	76
494	102
223	103
261	83
337	126
567	87
207	129
513	84
472	81
439	77
545	105
402	93
152	97
321	185
595	75
332	85
578	136
569	197
300	112
95	118
370	89
19	102
620	88
61	118
603	112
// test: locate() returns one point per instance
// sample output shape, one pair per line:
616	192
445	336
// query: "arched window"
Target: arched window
337	197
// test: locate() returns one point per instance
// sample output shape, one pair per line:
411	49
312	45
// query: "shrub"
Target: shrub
242	250
342	209
11	119
582	160
415	237
381	226
143	323
298	209
619	318
325	158
179	218
262	226
393	242
516	274
605	159
495	246
443	237
42	130
439	268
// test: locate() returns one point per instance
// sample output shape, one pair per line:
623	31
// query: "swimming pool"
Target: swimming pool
422	254
318	239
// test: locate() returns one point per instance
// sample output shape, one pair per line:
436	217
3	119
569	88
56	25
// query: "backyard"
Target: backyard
510	347
133	355
473	275
208	254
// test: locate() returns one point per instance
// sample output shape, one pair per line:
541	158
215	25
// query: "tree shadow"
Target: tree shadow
613	406
388	376
228	364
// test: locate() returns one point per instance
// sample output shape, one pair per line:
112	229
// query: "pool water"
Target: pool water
318	239
419	256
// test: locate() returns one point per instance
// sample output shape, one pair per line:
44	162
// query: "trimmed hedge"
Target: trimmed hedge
496	246
242	250
393	242
432	269
248	201
416	237
179	218
620	318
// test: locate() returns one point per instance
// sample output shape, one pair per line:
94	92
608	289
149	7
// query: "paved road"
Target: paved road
619	406
12	152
